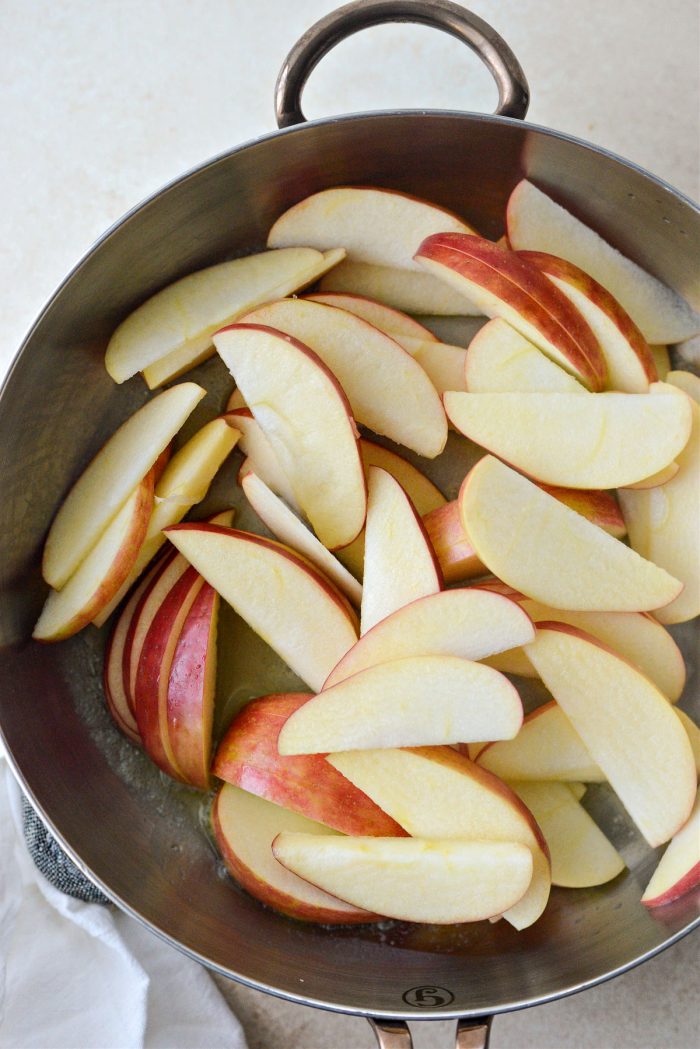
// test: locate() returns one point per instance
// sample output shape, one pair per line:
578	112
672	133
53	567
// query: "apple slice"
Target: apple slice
581	854
536	223
434	792
662	361
281	596
549	552
678	871
657	479
393	322
248	757
191	689
418	701
471	624
179	321
605	441
245	827
693	733
400	289
399	565
387	390
501	360
286	526
504	285
110	479
235	402
184	482
306	417
548	747
261	455
686	381
627	355
374	225
101	575
663	523
442	882
625	723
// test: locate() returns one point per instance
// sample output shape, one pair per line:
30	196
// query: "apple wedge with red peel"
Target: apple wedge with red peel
629	360
387	390
184	482
548	747
248	757
434	792
437	882
118	701
678	871
111	478
454	552
399	565
604	441
536	223
626	724
103	572
582	856
664	523
424	495
154	665
374	225
416	701
549	552
386	318
693	733
286	526
245	827
401	289
283	598
501	360
504	285
600	508
235	402
261	456
307	419
177	322
471	624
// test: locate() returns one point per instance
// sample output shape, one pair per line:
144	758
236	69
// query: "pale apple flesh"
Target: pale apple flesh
261	456
245	827
248	757
442	882
113	674
693	733
404	290
393	322
626	724
501	360
678	871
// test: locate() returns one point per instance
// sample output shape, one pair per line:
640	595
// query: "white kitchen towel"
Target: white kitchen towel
77	975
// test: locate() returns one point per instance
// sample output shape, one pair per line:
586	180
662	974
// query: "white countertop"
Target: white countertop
105	100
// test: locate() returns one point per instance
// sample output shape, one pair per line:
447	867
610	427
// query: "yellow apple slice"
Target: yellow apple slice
657	479
630	362
664	523
693	733
581	854
184	482
286	526
387	390
441	882
686	381
536	223
662	360
261	456
625	723
245	827
179	321
548	747
283	598
501	360
399	563
101	575
471	624
307	419
401	289
111	477
678	871
379	226
434	792
603	441
412	702
548	552
393	322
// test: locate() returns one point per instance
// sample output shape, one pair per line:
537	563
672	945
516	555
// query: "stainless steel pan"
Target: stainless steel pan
139	837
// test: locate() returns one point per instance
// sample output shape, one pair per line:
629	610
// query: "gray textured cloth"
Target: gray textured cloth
52	861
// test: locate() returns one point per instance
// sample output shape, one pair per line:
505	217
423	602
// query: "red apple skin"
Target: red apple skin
526	289
113	681
152	676
689	881
282	902
161	462
553	266
143	591
601	508
248	757
455	554
190	699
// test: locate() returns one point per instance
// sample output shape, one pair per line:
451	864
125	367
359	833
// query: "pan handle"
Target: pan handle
513	91
394	1034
